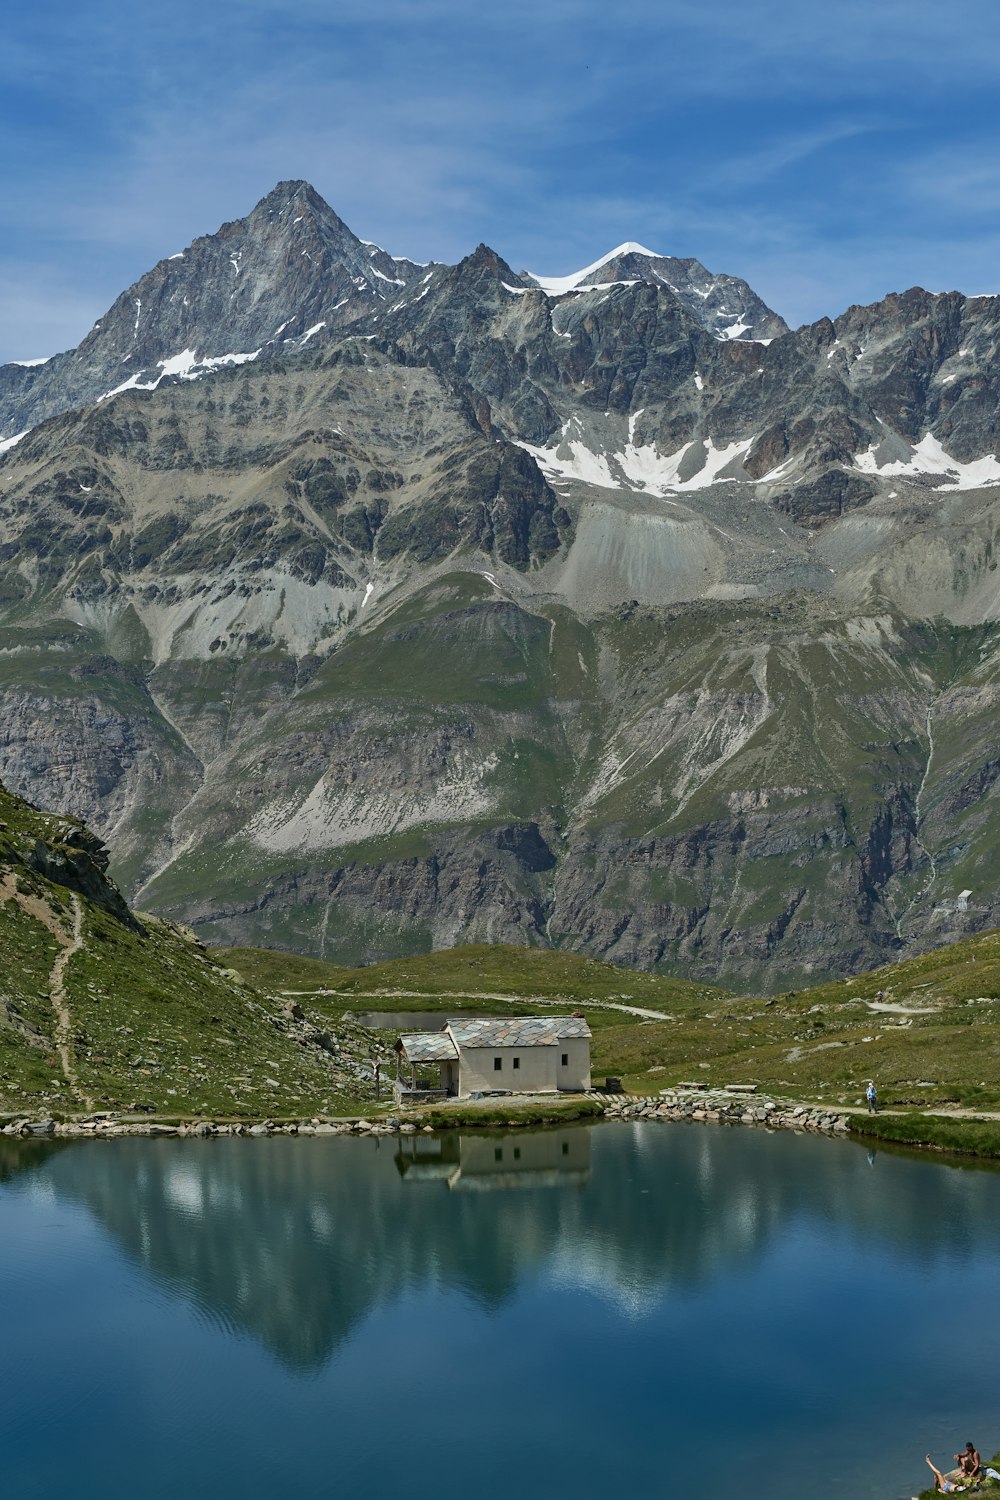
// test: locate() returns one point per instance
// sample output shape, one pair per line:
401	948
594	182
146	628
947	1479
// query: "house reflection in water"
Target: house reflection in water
484	1163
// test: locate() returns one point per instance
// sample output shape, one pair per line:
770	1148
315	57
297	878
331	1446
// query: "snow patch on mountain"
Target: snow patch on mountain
557	285
928	458
185	366
641	466
572	459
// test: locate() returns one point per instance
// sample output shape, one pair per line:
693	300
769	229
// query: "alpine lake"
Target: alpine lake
623	1308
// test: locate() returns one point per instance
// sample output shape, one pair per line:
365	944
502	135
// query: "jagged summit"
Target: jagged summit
484	260
267	284
724	305
557	285
290	191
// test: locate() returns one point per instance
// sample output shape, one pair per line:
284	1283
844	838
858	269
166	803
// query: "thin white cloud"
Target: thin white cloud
747	169
40	314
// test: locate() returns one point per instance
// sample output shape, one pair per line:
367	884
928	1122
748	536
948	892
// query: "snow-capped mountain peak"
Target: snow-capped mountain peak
724	305
557	285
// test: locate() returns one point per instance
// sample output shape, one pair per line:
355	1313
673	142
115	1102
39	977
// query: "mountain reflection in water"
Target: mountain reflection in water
295	1241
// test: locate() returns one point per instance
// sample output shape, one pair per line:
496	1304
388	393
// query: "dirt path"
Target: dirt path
57	993
629	1010
946	1112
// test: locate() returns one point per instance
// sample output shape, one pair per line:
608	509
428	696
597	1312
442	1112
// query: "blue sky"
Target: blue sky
827	150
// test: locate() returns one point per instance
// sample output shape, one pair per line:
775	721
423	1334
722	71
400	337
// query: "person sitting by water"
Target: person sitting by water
969	1462
942	1482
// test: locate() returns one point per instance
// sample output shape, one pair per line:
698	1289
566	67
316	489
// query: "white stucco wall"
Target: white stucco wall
577	1074
540	1071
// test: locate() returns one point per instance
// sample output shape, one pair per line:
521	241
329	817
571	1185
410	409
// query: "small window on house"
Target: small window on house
565	1146
498	1153
497	1064
517	1062
517	1153
565	1059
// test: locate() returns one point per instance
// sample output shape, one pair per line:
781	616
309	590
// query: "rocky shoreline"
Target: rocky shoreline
740	1106
736	1106
103	1126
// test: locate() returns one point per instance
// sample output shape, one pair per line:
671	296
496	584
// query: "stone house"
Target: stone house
503	1055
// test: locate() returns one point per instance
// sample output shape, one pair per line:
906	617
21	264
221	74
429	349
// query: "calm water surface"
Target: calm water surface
626	1308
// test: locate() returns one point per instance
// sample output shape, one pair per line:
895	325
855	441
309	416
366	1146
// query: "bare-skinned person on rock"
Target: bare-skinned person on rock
958	1479
969	1462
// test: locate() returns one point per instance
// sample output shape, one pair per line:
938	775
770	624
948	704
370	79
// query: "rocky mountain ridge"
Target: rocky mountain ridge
260	287
503	607
724	305
289	273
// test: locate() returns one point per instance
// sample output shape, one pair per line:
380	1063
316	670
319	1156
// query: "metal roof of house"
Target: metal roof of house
517	1031
429	1046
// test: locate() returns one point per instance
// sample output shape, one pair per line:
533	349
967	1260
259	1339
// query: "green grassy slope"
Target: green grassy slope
936	1045
99	1010
498	968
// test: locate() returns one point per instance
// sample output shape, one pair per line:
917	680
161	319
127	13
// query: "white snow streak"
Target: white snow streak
556	285
186	365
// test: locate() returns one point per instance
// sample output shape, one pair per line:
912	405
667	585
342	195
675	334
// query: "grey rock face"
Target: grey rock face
290	272
487	610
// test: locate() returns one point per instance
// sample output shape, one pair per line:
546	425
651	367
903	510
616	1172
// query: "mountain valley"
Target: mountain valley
365	608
